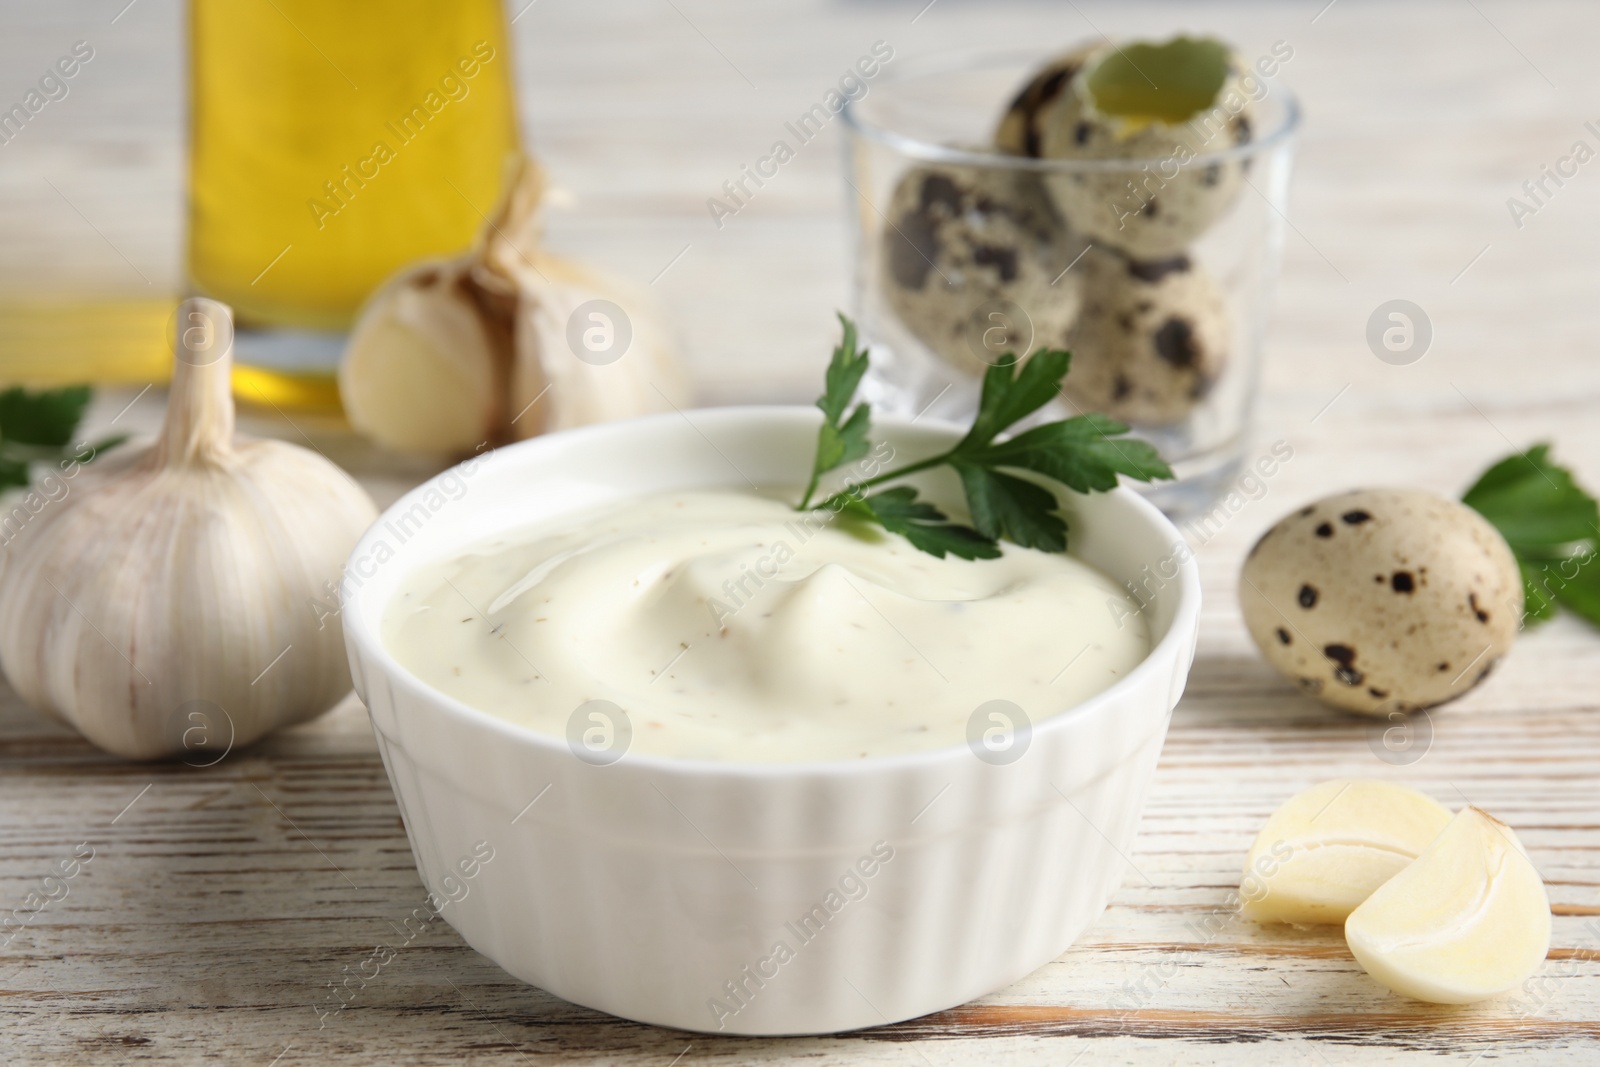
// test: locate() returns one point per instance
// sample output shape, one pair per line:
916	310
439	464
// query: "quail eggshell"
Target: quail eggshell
972	264
1170	193
1382	600
1019	132
1151	339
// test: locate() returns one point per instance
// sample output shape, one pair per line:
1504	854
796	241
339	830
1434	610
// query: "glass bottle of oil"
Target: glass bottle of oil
332	143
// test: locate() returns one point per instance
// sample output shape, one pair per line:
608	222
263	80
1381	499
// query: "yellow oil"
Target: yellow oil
332	143
49	342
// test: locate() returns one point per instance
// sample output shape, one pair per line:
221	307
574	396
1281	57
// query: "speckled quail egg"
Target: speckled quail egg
973	264
1018	133
1164	108
1151	339
1382	600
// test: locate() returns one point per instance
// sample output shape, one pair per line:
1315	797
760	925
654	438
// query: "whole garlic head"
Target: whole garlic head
503	343
168	601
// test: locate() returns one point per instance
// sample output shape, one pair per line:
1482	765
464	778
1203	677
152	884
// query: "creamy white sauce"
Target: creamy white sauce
729	627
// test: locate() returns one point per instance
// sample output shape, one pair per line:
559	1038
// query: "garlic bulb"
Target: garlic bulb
503	343
174	598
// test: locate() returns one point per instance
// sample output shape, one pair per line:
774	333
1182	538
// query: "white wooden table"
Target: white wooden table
221	901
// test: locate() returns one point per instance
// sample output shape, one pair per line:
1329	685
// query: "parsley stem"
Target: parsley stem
855	488
811	487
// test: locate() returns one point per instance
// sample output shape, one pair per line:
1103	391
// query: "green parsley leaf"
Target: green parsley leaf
45	418
841	439
1536	505
39	427
927	528
1005	506
1552	526
105	444
1581	592
1082	453
1539	604
1085	454
13	474
1009	397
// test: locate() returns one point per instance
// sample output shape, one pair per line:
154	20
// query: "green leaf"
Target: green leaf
844	374
1008	507
1552	526
1536	505
927	528
840	440
1539	605
102	446
1086	454
48	417
13	474
845	443
1083	453
1582	592
1011	394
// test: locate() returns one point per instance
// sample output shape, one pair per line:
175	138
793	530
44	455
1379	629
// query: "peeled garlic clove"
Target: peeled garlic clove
421	372
1467	920
182	594
1325	850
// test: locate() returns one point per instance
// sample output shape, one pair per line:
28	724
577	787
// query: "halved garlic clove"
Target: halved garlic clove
1326	849
1468	920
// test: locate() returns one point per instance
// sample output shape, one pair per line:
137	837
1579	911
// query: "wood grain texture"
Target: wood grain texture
222	901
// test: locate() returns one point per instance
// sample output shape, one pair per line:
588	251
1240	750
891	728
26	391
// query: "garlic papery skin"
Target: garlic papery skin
421	372
569	370
1327	848
176	597
1467	920
503	343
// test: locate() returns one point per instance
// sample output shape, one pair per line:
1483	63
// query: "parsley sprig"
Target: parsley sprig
1552	526
38	427
1085	453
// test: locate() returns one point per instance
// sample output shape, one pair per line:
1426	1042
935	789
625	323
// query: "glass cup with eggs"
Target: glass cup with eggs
1124	200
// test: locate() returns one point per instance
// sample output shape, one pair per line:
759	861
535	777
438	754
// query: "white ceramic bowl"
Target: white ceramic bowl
660	890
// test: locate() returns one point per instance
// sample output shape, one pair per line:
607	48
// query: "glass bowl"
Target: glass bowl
1157	272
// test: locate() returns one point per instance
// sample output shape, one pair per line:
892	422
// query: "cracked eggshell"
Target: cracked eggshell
1019	132
1165	199
1382	600
1151	339
967	249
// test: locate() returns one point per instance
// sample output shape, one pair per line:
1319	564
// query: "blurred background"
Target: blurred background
1422	119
